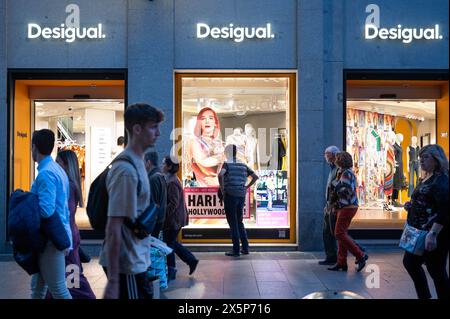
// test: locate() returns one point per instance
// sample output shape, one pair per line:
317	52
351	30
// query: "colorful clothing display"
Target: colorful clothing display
373	157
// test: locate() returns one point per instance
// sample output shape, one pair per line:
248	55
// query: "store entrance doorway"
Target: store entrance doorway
86	116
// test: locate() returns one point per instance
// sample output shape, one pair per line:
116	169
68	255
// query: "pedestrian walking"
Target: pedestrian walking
232	179
344	189
68	160
52	187
428	210
329	215
124	256
158	189
176	218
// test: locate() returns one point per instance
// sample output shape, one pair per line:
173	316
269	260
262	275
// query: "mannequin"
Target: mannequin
390	168
240	140
412	156
252	147
398	176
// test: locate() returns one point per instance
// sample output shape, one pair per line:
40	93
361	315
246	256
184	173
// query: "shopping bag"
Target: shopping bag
413	240
158	266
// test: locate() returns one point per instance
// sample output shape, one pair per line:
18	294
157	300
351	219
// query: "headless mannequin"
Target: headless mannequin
240	140
412	156
252	147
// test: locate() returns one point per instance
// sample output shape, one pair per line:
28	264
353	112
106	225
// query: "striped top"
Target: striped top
345	188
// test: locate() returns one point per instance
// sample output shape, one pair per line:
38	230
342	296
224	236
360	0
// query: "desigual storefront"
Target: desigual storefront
281	80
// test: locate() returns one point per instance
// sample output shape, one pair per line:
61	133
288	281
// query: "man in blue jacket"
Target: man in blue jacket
52	187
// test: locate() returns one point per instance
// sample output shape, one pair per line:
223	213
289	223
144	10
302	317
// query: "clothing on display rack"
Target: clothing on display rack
390	167
278	153
370	142
398	176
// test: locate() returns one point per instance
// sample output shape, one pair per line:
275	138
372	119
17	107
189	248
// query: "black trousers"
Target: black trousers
137	286
436	262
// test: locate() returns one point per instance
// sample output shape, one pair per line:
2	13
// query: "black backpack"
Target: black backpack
97	205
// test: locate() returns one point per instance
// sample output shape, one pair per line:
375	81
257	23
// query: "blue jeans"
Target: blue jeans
170	238
234	210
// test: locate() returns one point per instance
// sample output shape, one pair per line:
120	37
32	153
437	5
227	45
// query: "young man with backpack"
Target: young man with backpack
124	256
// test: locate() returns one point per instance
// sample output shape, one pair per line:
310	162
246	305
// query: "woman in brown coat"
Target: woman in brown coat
176	218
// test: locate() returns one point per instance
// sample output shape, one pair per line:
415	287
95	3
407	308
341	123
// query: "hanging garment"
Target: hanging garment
284	164
389	173
398	176
281	153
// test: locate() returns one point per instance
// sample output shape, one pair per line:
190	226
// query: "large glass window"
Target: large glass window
384	138
251	112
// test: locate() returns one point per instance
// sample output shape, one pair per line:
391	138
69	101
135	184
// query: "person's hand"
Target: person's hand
430	241
66	252
112	290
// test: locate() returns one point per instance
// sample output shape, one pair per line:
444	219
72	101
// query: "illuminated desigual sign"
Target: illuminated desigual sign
372	29
68	31
238	34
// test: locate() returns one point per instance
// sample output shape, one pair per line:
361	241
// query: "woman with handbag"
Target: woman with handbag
428	211
176	218
344	187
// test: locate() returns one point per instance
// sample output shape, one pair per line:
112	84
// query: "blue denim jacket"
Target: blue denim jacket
52	187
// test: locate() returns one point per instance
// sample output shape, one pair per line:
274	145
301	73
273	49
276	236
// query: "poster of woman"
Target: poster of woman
205	152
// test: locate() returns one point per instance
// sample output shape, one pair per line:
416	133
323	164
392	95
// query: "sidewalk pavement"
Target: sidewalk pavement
266	275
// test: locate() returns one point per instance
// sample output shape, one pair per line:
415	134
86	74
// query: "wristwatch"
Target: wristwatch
432	232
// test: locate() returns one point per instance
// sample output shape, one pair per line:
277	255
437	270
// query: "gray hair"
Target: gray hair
332	149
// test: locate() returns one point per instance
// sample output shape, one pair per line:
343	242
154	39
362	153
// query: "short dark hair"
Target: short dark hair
141	113
173	167
44	140
344	159
120	140
152	157
230	149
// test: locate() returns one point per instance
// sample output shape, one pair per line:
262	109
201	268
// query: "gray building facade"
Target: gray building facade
317	40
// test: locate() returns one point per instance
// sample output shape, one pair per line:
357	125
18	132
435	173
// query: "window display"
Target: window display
382	138
251	113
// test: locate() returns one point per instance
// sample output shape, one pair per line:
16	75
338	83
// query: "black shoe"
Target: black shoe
244	252
172	275
338	267
231	254
361	263
193	266
327	262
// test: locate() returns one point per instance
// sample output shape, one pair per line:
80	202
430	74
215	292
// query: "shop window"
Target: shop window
252	112
384	138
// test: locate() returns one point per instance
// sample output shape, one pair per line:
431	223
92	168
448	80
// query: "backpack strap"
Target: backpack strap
126	158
